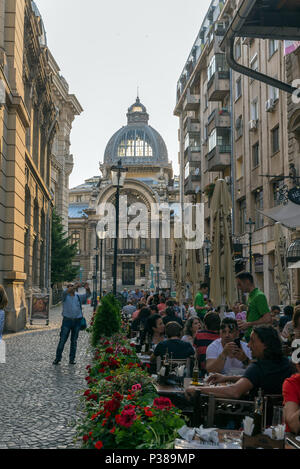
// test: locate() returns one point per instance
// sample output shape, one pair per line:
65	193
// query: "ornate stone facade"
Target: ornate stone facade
28	125
149	180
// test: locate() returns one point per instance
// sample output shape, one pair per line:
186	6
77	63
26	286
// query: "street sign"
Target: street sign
294	195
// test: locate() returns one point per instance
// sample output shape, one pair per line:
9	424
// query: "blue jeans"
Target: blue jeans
73	326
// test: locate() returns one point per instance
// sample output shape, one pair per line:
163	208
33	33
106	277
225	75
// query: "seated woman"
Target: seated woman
155	328
292	328
141	319
191	328
291	397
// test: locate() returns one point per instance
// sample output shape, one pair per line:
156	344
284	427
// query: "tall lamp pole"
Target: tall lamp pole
101	234
118	178
250	223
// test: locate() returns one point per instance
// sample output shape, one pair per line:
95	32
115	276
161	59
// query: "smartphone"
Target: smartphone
237	342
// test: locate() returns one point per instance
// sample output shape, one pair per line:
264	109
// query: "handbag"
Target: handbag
83	324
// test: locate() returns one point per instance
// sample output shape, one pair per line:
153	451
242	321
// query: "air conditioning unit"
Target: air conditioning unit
253	124
270	105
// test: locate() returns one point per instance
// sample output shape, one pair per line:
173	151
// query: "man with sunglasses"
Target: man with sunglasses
228	352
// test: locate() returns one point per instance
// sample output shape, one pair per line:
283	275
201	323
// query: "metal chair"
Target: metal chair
174	363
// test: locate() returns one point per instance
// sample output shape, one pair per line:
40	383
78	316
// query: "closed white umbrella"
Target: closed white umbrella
281	275
222	274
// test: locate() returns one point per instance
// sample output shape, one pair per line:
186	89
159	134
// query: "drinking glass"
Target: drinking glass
277	416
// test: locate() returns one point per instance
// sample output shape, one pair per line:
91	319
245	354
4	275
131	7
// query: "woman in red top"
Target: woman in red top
291	397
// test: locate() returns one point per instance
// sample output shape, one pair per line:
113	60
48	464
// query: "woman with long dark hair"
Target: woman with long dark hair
140	321
155	329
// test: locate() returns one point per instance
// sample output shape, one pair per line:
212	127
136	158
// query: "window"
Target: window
187	171
254	110
278	192
212	140
78	198
211	68
220	137
238	88
143	271
128	243
238	50
273	47
273	93
133	143
259	205
239	167
239	126
142	243
75	239
254	63
255	155
243	215
275	139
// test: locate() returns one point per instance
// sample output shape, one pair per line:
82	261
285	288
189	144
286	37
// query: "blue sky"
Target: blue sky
105	51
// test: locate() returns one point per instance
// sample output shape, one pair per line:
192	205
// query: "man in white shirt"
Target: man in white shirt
228	354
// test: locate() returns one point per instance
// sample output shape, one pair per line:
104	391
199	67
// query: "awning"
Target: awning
296	265
288	215
265	19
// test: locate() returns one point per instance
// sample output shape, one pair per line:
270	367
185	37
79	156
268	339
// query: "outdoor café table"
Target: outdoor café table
144	358
228	439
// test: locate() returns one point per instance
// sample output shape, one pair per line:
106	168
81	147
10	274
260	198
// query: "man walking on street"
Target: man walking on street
72	316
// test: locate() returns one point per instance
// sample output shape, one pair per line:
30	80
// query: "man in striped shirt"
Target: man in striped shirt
205	337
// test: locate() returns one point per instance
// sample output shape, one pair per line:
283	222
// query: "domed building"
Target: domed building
144	262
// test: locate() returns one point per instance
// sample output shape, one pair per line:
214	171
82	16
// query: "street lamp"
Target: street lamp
250	223
207	247
101	234
118	179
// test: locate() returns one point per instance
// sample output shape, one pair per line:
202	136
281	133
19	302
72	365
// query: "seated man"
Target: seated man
291	398
173	345
267	372
228	352
205	337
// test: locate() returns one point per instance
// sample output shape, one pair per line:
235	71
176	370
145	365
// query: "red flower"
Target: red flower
85	438
127	417
147	365
129	397
148	412
112	431
102	370
118	396
109	378
112	405
87	392
109	350
162	403
106	342
99	445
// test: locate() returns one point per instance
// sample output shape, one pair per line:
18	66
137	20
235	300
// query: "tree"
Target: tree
107	320
62	253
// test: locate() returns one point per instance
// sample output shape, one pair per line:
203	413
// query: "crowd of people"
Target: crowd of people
242	348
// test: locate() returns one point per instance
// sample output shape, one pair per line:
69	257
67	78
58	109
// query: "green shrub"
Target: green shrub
107	320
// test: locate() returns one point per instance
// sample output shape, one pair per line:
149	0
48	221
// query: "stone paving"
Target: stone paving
39	402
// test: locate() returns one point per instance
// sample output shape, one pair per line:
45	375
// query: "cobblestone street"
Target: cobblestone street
39	401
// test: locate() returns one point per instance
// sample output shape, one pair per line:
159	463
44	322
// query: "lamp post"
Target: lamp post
250	223
118	178
101	234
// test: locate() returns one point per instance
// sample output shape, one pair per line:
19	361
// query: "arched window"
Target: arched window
133	143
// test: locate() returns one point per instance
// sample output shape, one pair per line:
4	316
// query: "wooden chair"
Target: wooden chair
208	408
177	363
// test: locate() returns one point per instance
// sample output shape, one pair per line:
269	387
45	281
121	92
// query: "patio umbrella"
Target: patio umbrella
281	276
178	268
223	287
194	270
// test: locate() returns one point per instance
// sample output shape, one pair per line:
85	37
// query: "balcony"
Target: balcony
191	102
218	119
192	125
192	184
218	86
219	158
